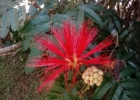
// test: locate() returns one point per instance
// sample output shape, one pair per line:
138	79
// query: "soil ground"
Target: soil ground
15	84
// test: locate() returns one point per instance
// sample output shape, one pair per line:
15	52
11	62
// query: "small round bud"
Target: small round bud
86	77
93	67
91	83
95	70
95	81
86	71
90	73
95	75
99	83
89	69
101	72
100	78
83	75
90	78
86	81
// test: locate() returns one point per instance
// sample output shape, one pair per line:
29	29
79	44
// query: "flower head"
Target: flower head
93	75
68	52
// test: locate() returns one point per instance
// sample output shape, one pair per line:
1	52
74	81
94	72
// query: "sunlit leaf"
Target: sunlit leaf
22	16
32	10
5	25
14	19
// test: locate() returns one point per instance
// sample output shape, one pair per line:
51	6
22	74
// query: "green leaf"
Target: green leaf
105	23
115	92
0	24
119	53
66	96
92	14
133	94
26	43
133	65
29	69
38	25
14	19
138	74
110	26
72	7
127	56
40	29
94	7
40	20
123	34
34	52
127	71
130	83
91	1
50	4
79	16
67	7
58	89
53	95
116	22
125	89
134	89
40	2
130	98
70	13
43	12
58	18
22	15
5	25
102	89
109	12
122	54
123	96
72	96
74	91
32	10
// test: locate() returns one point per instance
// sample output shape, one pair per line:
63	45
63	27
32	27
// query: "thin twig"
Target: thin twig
10	53
11	48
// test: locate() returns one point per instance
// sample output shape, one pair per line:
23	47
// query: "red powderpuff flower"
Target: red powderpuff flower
69	53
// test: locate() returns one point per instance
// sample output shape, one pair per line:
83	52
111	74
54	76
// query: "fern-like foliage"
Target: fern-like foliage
60	92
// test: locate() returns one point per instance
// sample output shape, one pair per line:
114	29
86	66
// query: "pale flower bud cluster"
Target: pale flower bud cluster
92	76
